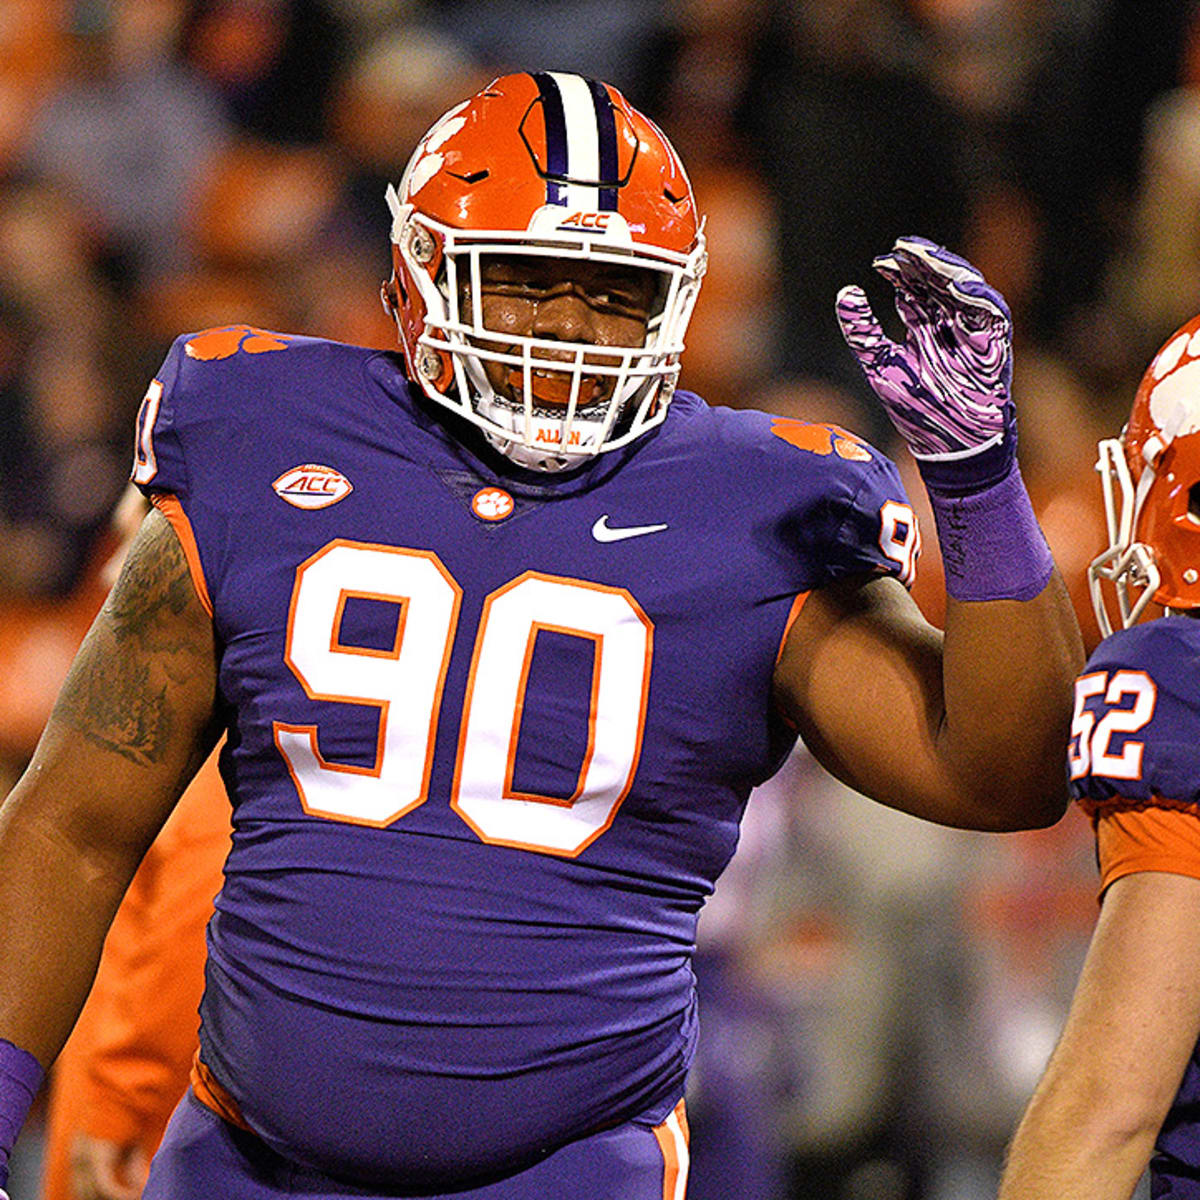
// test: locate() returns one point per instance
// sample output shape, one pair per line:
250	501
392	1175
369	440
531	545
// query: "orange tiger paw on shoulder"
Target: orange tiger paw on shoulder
820	439
227	341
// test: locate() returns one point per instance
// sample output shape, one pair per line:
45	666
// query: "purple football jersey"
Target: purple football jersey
490	735
1136	742
1136	732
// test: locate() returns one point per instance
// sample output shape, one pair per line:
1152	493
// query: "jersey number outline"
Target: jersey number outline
900	538
1088	750
405	683
145	465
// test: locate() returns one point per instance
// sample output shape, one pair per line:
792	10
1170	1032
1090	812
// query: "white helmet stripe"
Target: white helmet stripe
583	142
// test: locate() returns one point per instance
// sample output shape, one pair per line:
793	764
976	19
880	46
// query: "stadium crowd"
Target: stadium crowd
880	994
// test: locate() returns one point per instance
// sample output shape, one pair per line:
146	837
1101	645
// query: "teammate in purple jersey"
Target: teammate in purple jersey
1122	1089
501	633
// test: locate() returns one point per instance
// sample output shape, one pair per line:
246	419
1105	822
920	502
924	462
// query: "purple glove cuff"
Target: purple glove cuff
20	1077
992	547
951	475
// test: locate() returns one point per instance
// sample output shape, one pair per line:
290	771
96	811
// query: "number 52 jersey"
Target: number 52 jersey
1134	761
490	735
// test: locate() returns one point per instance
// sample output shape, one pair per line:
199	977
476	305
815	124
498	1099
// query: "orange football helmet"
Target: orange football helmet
1151	481
556	165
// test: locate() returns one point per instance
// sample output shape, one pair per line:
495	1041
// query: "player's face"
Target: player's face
600	304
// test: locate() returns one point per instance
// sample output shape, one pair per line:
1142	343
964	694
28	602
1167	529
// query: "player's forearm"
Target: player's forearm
1012	646
57	899
1060	1154
1073	1176
1008	668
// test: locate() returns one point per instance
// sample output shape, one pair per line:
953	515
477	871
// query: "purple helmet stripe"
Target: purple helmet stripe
606	128
556	137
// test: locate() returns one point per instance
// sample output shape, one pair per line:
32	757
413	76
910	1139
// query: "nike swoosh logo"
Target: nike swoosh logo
602	533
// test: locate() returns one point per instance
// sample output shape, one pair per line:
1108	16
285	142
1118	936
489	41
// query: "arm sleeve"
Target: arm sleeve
1148	838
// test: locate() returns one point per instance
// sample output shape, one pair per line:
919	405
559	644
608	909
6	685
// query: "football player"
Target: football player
1122	1089
501	632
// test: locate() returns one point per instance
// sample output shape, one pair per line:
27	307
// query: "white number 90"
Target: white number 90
405	682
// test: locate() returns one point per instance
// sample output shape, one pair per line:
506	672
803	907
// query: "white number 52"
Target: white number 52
1089	750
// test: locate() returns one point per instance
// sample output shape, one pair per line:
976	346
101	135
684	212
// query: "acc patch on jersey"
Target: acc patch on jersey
312	486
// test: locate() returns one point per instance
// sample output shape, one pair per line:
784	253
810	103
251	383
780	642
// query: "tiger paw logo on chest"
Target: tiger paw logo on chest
492	504
312	486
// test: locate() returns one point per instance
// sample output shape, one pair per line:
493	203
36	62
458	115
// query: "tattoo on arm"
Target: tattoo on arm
150	648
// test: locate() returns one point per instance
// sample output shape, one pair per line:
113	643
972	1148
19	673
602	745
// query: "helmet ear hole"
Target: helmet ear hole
1193	507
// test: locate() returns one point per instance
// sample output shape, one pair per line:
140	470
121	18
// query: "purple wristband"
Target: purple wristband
992	547
20	1077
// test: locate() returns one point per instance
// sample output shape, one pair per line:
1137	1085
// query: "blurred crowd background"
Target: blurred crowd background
879	995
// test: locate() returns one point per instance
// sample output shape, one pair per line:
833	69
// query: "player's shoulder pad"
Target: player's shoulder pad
1168	647
806	456
1136	737
839	500
819	443
216	380
211	354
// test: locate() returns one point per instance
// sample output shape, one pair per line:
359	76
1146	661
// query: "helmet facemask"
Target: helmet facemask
635	381
1128	565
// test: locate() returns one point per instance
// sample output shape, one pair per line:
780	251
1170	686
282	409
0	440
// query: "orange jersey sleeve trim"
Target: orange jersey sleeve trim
170	508
213	1096
793	613
1147	839
673	1139
797	605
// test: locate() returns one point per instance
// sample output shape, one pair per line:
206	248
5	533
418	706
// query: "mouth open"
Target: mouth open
554	388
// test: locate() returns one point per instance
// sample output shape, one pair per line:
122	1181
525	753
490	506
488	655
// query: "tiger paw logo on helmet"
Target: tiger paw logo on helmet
546	164
1151	478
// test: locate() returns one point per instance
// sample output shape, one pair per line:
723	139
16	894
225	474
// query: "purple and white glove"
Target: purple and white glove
947	387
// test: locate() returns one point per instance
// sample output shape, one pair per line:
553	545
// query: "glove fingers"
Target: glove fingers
982	295
921	297
893	270
924	268
862	331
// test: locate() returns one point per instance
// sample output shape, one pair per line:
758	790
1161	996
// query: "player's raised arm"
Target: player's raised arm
965	728
133	721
